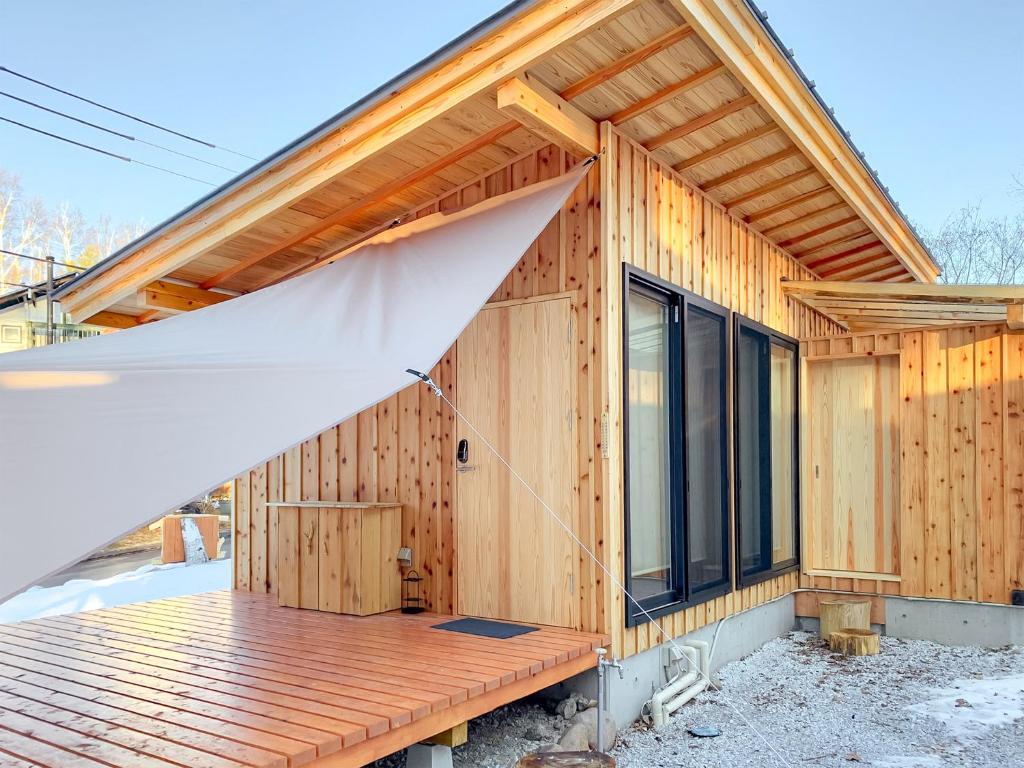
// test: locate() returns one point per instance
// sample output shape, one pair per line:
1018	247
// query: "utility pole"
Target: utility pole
49	300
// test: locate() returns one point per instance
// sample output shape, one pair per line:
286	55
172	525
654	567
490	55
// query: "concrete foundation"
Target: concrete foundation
428	756
738	636
983	625
941	621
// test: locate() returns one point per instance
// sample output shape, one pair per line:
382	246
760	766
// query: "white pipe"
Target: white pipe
685	686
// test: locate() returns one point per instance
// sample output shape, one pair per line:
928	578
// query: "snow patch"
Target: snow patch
972	705
150	582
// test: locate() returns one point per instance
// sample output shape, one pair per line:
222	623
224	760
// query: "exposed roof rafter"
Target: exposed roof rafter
728	146
818	231
618	66
703	121
766	189
666	94
811	216
362	203
753	167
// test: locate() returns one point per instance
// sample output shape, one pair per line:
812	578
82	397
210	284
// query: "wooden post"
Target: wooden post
843	614
855	642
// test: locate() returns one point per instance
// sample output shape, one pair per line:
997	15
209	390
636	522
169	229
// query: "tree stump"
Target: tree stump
855	642
843	614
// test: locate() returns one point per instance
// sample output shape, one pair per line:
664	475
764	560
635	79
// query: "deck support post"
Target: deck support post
428	756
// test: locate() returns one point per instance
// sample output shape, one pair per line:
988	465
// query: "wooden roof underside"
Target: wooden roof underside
886	306
647	66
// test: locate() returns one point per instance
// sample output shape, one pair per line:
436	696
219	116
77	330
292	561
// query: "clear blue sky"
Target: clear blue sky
933	92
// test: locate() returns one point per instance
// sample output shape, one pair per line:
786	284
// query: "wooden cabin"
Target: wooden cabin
726	361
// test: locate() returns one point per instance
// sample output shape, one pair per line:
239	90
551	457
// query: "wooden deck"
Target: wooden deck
231	679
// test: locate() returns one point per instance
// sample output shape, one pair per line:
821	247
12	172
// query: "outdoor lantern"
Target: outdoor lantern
411	600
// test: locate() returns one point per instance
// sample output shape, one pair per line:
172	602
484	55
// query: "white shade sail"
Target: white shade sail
103	435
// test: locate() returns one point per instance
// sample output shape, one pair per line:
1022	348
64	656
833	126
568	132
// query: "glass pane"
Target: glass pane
649	511
705	425
751	437
783	367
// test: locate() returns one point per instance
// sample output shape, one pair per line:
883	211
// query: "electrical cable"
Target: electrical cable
111	131
114	155
579	542
159	127
40	259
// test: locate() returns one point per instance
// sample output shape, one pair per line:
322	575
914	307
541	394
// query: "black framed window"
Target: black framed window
676	415
766	438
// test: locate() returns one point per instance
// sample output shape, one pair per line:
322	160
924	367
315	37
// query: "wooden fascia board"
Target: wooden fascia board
545	113
171	297
737	38
942	293
513	47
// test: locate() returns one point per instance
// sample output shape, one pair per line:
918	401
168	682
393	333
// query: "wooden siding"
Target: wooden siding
402	450
961	461
655	220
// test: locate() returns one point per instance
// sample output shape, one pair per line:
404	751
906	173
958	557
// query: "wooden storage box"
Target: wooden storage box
172	549
339	557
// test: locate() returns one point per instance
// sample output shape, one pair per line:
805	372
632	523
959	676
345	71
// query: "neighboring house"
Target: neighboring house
755	389
23	319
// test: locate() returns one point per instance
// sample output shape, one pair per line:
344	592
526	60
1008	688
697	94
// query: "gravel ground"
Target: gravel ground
917	705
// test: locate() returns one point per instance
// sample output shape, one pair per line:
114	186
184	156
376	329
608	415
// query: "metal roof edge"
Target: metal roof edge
364	104
789	56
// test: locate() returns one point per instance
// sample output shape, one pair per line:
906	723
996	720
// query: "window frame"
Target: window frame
741	323
678	301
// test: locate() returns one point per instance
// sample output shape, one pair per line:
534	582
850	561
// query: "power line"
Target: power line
111	131
40	259
186	136
114	155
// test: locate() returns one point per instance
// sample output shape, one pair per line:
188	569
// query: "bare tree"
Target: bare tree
971	248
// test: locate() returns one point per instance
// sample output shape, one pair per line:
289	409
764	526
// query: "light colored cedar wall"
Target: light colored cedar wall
961	462
403	449
656	221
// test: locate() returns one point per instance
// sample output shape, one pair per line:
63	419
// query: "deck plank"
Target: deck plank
232	680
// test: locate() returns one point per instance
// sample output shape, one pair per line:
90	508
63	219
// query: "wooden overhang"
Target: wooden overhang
865	306
702	84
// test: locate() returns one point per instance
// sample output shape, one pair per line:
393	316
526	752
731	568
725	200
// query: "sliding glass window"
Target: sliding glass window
677	483
766	451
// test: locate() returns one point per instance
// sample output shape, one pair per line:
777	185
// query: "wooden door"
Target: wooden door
852	446
515	385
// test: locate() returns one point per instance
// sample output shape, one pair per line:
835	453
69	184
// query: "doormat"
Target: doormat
484	628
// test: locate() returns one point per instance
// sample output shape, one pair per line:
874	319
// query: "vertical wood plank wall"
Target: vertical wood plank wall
402	450
656	221
961	461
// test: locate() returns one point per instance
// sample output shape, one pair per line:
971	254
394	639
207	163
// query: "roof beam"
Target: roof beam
109	319
740	40
753	167
620	65
727	146
362	203
666	94
772	186
729	108
175	298
831	243
771	210
548	115
878	270
818	231
935	292
827	274
513	46
814	265
805	218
